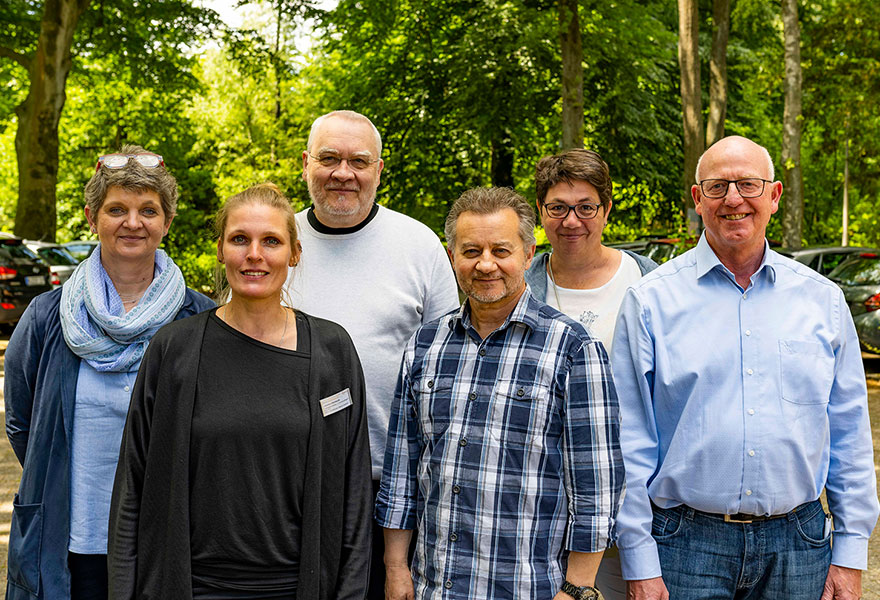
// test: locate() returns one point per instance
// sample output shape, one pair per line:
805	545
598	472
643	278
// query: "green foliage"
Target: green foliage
452	86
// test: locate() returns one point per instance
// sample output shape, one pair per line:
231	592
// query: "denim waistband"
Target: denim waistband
687	511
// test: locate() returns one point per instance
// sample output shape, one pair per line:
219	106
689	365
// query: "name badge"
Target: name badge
336	402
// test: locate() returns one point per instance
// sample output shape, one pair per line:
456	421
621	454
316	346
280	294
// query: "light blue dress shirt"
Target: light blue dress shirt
737	400
99	413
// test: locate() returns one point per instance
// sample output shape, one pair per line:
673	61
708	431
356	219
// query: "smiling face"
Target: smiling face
342	196
571	235
489	257
735	226
130	225
256	251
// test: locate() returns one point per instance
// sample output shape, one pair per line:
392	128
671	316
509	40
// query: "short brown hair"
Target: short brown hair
485	201
133	177
573	165
267	194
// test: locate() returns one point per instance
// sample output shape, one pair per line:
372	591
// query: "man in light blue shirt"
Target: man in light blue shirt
742	396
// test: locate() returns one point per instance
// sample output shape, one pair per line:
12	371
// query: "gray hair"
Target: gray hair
764	151
351	116
486	201
133	177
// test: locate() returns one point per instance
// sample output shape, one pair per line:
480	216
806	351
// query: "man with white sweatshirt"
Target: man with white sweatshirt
377	272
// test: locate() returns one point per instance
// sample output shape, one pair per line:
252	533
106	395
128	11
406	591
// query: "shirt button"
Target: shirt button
751	452
520	392
126	388
456	489
448	584
748	492
463	442
453	537
473	396
748	332
482	352
750	372
751	411
745	296
430	383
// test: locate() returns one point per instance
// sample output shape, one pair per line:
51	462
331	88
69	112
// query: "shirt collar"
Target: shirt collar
524	312
708	261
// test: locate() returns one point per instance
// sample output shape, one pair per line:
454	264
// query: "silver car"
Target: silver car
61	262
824	259
859	278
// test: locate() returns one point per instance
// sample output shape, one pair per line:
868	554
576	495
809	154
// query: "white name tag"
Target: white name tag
336	402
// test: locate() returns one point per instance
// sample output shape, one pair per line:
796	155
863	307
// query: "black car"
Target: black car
23	275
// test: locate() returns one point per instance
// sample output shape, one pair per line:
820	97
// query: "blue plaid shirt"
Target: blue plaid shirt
503	452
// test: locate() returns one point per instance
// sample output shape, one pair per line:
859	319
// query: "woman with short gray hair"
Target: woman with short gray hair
70	368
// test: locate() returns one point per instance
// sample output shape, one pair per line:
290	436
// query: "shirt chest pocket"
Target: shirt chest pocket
519	414
806	371
433	405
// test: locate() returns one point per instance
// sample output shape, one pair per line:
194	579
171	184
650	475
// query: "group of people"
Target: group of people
585	423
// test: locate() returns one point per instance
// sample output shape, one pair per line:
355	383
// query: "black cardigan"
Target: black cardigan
149	545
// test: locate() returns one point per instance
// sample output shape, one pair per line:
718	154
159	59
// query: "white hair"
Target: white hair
764	151
351	116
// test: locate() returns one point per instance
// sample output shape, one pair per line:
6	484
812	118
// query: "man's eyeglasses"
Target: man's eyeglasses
331	161
560	210
750	187
117	161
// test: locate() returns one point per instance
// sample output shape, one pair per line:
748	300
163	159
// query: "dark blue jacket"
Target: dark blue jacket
40	388
536	276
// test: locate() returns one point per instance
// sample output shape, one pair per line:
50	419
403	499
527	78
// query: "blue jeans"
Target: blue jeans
704	558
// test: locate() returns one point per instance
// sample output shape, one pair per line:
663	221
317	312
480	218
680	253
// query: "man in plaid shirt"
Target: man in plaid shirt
503	447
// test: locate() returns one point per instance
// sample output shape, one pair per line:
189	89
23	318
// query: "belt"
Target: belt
744	517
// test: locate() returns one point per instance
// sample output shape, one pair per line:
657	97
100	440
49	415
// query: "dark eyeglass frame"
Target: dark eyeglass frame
336	161
737	182
147	160
573	207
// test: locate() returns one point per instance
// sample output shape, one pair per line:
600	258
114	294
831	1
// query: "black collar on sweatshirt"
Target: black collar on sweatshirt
321	228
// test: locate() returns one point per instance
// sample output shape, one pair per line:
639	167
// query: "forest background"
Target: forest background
466	93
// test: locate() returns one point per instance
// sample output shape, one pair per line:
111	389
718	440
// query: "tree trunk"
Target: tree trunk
36	140
844	239
692	118
718	72
572	75
502	163
793	217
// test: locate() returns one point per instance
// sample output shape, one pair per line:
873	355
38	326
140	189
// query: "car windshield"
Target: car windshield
17	254
857	271
57	256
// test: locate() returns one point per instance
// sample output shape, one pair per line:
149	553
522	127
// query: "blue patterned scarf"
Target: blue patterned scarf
95	324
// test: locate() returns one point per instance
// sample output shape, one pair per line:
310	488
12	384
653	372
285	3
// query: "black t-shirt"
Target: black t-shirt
248	447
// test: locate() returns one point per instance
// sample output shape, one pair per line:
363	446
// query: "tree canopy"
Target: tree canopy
465	93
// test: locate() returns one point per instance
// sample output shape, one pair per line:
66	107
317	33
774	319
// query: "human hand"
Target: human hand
398	583
842	584
646	589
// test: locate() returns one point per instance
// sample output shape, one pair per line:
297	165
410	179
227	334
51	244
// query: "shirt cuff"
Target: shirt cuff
642	562
393	517
591	534
850	551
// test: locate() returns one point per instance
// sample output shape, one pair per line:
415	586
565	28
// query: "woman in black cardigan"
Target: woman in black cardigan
244	471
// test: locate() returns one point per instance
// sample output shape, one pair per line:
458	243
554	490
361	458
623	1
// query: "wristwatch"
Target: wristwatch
585	592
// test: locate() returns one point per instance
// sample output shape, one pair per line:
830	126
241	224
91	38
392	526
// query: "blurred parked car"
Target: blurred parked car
23	275
824	259
859	278
81	249
668	248
61	262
